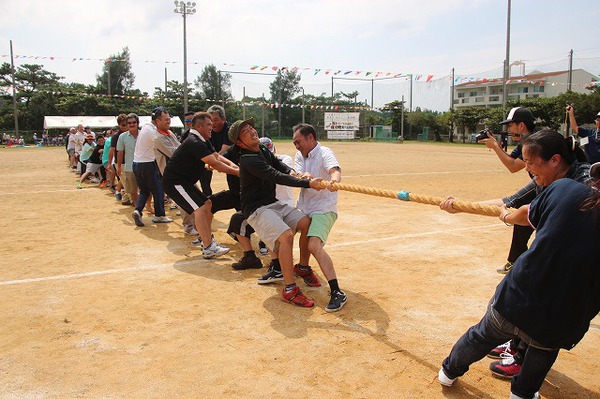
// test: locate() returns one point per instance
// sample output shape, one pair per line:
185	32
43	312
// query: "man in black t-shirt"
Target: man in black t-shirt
183	171
219	139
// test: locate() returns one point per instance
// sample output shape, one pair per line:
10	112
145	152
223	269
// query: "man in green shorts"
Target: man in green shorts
316	161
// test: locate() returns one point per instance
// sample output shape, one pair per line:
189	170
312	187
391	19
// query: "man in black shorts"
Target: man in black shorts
183	171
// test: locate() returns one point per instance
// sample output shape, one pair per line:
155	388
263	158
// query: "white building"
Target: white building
488	92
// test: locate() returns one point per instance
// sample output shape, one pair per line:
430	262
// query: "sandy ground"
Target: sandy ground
93	307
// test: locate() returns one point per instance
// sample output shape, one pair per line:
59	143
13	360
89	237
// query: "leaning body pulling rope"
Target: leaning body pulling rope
464	206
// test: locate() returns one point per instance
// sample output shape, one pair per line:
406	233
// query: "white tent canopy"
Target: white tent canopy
95	122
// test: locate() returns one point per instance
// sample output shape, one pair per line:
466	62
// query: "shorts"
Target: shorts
238	224
93	167
224	200
321	224
71	151
128	180
186	195
271	221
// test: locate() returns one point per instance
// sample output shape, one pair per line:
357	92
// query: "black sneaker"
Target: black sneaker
248	262
337	301
271	276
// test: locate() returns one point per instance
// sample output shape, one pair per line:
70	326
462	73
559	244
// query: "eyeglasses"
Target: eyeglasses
132	123
188	120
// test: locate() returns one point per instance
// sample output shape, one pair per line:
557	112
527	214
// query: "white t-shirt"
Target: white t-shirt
318	163
71	141
283	193
79	140
144	145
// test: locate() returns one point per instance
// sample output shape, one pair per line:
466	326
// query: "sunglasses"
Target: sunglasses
132	123
188	120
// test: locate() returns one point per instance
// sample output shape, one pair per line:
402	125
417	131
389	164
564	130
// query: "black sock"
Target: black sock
250	253
276	264
290	287
333	284
304	268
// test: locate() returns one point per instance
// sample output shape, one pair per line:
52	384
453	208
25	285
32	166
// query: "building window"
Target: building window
523	89
472	94
538	89
461	95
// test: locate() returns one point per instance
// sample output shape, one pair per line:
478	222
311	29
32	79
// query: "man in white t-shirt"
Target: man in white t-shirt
145	169
315	161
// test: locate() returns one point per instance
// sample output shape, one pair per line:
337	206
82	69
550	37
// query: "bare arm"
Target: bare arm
120	156
213	161
335	176
512	164
223	149
572	120
517	217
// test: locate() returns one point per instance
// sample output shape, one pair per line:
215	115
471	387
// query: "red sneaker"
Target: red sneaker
103	184
502	351
308	276
296	297
505	368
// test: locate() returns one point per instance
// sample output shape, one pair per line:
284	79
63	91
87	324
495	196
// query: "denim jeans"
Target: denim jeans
149	182
491	331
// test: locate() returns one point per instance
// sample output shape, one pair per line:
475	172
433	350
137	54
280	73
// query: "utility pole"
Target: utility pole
262	133
14	90
165	82
570	83
402	119
506	61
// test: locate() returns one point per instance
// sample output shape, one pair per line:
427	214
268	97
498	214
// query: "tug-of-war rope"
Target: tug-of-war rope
464	206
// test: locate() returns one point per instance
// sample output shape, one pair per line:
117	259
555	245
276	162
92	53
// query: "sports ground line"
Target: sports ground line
195	261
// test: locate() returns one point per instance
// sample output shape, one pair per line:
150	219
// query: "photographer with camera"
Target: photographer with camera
592	146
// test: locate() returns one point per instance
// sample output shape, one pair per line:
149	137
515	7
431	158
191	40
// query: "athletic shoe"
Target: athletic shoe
79	186
118	196
308	276
271	276
262	248
95	180
506	268
103	184
296	297
248	261
337	301
444	379
172	207
513	396
192	232
214	251
126	202
137	218
501	351
161	219
505	368
197	241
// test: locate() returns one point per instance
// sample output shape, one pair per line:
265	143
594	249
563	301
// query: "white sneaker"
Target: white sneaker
161	219
191	232
95	180
513	396
444	379
263	251
214	251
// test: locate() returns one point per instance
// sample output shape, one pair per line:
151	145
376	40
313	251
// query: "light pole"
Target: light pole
302	88
184	8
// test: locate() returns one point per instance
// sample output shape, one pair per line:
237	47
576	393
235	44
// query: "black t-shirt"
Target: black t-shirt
96	157
220	138
233	181
553	290
186	165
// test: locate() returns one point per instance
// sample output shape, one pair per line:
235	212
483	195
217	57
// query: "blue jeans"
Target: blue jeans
491	331
149	182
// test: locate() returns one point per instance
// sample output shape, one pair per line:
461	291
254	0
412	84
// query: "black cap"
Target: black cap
157	111
519	114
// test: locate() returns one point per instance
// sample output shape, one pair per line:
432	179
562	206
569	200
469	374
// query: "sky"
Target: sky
425	38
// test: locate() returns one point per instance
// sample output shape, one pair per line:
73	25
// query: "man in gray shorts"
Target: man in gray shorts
274	222
125	149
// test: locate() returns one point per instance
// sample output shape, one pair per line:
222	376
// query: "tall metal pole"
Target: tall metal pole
570	83
372	86
506	61
452	92
262	133
15	110
165	81
184	9
410	109
402	119
244	104
302	88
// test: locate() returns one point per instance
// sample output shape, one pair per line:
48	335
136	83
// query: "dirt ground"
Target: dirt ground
93	307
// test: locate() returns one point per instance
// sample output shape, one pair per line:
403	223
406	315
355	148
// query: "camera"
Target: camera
483	134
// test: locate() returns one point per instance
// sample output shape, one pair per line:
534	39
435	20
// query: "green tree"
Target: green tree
283	88
213	85
118	66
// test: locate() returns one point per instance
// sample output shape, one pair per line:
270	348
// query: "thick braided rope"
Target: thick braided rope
464	206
